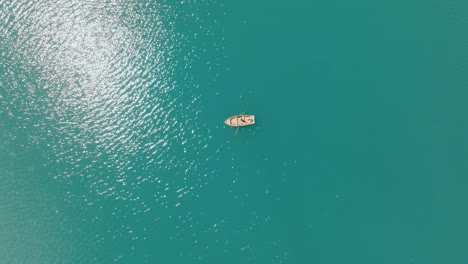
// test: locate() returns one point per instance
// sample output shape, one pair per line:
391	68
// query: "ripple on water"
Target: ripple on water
105	100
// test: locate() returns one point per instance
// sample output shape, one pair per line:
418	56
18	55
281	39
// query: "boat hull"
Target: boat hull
240	120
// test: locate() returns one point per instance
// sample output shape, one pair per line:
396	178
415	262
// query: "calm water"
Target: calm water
113	147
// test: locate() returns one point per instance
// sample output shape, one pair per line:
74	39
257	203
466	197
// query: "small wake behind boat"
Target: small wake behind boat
240	120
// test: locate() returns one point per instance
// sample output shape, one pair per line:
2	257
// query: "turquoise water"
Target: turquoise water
113	147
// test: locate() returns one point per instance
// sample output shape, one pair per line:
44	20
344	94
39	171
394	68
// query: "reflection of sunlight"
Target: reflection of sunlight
105	72
96	68
93	93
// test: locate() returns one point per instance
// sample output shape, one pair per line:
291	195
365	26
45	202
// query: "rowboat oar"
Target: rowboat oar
237	130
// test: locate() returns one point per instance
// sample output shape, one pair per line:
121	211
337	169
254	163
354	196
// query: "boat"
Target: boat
240	120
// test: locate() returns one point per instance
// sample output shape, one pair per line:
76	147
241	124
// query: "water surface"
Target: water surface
113	147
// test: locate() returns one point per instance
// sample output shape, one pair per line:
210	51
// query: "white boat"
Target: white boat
240	120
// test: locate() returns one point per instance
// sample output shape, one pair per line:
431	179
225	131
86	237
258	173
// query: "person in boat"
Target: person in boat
241	119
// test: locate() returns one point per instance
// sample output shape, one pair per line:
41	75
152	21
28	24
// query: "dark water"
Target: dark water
113	147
